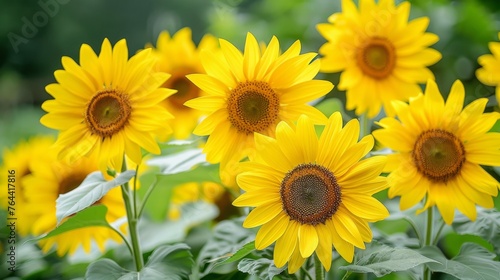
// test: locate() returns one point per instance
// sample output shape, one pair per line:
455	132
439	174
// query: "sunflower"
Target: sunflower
439	149
48	179
490	73
253	92
382	56
18	159
310	193
108	105
179	56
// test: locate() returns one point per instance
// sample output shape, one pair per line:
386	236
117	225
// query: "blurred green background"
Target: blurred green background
34	35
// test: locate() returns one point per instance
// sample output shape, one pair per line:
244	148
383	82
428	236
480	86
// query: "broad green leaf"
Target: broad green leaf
106	269
228	237
89	217
168	262
472	263
263	268
241	253
179	162
479	259
93	188
487	226
381	260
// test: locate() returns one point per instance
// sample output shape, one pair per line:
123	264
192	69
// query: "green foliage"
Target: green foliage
93	188
381	259
473	262
487	226
89	217
169	262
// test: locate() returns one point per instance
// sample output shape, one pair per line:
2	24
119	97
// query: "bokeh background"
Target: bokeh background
34	35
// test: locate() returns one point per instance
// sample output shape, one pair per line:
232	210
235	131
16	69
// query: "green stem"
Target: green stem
146	196
318	267
428	239
436	238
415	229
365	125
132	222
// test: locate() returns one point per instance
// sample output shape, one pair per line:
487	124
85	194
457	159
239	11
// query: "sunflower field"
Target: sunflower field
240	139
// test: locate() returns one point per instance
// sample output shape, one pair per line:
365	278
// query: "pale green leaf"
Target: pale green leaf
472	263
487	226
89	217
93	188
381	260
263	268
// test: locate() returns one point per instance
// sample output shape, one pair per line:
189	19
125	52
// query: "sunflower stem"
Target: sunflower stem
428	239
365	125
318	267
132	222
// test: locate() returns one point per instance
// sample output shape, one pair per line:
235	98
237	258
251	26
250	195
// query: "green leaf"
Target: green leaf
263	268
479	259
241	253
381	260
487	226
106	269
93	188
90	217
228	238
179	162
473	262
169	262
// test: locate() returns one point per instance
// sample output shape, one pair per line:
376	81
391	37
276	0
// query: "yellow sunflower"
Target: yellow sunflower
179	56
490	73
18	159
253	92
108	105
48	179
310	193
382	56
439	149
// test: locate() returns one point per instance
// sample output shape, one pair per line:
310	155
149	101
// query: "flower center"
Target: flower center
310	194
71	181
186	90
253	107
376	58
438	155
108	112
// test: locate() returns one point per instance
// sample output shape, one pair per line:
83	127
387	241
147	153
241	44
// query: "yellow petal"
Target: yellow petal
262	214
271	231
308	240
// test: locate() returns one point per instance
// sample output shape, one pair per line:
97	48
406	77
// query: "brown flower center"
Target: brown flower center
186	90
438	155
376	58
253	107
71	181
310	194
108	112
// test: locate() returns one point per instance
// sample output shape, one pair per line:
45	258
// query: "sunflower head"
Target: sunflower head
382	55
17	163
489	74
312	193
439	148
252	92
108	105
178	56
50	178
